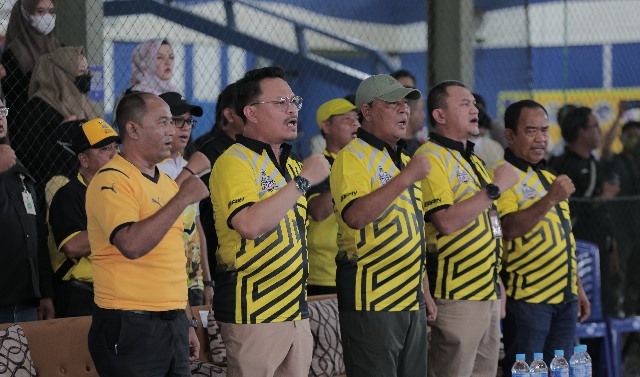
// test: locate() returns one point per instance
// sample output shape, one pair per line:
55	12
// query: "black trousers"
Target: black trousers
74	298
135	343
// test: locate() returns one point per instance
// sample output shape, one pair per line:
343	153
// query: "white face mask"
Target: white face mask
44	24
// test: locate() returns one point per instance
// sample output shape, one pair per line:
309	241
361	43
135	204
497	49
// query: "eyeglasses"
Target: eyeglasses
4	111
284	102
179	123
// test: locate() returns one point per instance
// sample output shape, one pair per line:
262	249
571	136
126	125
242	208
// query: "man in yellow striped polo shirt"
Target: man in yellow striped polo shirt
543	292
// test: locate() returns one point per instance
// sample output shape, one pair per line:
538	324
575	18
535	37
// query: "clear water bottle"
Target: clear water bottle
559	366
520	368
538	367
580	363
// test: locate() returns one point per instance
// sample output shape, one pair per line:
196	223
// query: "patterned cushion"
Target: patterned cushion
327	343
15	358
218	350
204	369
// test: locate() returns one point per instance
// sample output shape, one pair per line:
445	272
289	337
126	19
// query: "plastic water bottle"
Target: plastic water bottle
559	365
520	368
538	367
580	363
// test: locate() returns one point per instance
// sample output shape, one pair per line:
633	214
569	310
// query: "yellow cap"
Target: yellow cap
336	106
95	133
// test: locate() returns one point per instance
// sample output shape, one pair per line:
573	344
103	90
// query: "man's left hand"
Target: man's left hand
584	306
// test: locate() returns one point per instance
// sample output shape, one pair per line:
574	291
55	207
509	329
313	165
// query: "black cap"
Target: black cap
179	105
95	133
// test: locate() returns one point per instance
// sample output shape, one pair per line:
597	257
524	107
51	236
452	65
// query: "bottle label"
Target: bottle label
519	374
541	374
578	371
560	373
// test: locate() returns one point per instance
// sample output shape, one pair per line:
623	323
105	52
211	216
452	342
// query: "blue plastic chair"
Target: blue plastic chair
588	261
617	327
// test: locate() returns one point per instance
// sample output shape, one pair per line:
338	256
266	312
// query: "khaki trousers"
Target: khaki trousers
281	349
465	339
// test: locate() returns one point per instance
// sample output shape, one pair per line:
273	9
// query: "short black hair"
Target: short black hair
573	121
629	125
403	73
131	108
247	89
513	111
436	99
225	100
562	112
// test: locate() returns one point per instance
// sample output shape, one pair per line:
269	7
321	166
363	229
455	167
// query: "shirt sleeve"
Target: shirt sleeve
437	193
233	186
349	180
67	216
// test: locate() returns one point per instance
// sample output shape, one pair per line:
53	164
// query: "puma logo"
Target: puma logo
157	201
109	188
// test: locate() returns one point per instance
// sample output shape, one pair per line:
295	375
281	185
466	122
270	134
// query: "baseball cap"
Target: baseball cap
383	87
335	106
95	133
179	105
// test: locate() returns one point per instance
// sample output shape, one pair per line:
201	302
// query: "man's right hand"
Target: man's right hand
199	163
560	189
7	157
315	168
193	189
418	168
505	176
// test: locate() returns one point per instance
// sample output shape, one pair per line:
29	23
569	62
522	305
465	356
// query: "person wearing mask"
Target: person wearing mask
29	36
25	268
57	95
95	144
152	66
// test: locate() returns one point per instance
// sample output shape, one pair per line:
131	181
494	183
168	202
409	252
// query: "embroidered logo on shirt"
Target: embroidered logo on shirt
383	176
528	192
462	175
109	188
267	183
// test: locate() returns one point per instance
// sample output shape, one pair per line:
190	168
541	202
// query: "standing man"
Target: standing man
543	292
135	225
179	169
381	249
258	193
26	268
94	143
463	238
338	122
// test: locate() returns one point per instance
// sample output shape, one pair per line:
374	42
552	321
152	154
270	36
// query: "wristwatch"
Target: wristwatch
302	184
493	191
208	283
193	322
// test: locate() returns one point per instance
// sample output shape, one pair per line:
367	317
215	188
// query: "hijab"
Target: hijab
23	40
53	78
143	69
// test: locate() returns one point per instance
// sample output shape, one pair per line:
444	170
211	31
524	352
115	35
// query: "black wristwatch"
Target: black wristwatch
208	283
493	191
302	184
193	322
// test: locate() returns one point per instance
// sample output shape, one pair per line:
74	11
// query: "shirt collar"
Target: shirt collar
453	144
381	145
523	164
258	147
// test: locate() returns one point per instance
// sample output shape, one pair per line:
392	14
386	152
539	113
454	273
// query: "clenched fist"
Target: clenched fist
560	189
505	176
418	168
193	189
315	168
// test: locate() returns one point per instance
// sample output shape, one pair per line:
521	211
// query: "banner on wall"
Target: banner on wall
605	103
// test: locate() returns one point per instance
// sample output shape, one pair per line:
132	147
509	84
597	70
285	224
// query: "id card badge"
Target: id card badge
494	220
27	199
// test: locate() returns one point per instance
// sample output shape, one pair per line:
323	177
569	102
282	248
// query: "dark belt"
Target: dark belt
167	315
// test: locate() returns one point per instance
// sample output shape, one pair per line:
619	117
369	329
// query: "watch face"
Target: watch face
493	191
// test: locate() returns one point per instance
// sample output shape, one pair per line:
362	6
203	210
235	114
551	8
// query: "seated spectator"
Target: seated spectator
95	144
178	169
57	95
152	67
29	36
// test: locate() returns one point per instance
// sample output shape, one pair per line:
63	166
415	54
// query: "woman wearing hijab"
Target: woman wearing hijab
57	95
28	37
152	67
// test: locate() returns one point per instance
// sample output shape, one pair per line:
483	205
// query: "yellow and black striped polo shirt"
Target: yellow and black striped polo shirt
380	267
540	267
261	280
464	264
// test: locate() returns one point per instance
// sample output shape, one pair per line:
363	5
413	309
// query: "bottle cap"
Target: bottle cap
537	356
558	353
520	356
